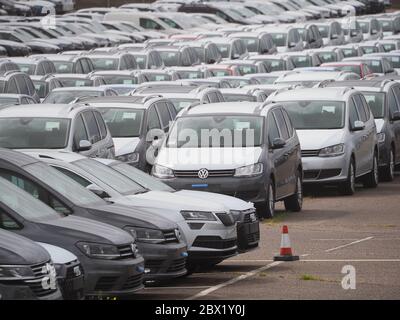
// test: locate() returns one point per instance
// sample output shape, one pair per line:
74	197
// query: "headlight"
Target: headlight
162	172
332	151
198	215
15	272
381	137
148	235
99	251
130	157
250	170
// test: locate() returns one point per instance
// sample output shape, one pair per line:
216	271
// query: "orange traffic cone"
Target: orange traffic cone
286	250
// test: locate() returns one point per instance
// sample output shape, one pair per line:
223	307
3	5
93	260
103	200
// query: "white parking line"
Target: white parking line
177	288
348	244
234	280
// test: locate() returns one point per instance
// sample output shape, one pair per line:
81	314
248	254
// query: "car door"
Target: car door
393	101
370	128
277	129
164	115
362	152
153	126
98	148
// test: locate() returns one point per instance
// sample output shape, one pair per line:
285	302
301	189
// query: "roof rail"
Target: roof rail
201	88
151	96
323	83
273	94
347	89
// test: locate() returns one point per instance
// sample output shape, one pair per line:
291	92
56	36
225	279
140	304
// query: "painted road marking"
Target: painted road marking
348	244
234	280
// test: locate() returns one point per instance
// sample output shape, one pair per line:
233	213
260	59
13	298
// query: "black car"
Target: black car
15	49
109	256
158	239
26	271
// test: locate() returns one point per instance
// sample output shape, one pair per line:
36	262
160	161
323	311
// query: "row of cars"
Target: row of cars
146	161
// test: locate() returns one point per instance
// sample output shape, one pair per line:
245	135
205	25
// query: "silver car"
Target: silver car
337	135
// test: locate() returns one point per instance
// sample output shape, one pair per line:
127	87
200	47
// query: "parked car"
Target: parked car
382	97
311	36
182	56
26	269
378	65
347	148
18	82
359	68
147	59
243	94
371	29
261	43
206	50
252	171
76	128
115	61
286	38
331	32
45	84
15	49
115	77
74	94
34	66
78	80
71	64
312	77
15	99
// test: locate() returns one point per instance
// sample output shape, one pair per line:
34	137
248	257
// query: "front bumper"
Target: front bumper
208	249
248	189
325	169
24	292
165	261
113	277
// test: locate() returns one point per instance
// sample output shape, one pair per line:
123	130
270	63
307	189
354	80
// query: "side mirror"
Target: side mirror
84	145
358	126
97	191
278	143
157	143
395	116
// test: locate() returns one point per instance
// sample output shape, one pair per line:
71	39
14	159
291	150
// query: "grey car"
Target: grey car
22	272
264	167
77	128
383	97
347	146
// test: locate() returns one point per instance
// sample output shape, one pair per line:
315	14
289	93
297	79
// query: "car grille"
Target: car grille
126	252
170	236
153	265
177	265
247	215
67	286
105	283
133	282
253	237
211	173
321	174
309	153
156	265
226	218
213	242
40	272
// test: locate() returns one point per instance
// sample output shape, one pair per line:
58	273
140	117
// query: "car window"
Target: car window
392	102
93	129
172	110
81	180
78	67
213	97
273	131
281	124
8	223
153	122
12	86
164	113
366	107
360	108
288	123
353	114
79	131
23	85
101	123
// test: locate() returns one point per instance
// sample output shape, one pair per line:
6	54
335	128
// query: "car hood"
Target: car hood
83	229
209	158
58	255
379	125
231	203
123	215
326	138
125	145
174	201
15	249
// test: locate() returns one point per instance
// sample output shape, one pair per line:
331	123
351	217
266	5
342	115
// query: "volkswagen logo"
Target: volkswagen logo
203	174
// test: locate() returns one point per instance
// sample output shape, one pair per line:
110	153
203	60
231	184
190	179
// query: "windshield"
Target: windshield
364	26
276	65
190	74
350	52
64	66
224	49
22	203
305	83
327	57
141	178
279	39
231	97
374	65
40	87
314	115
220	72
236	83
243	70
105	63
123	122
62	184
6	100
266	79
387	25
218	131
157	76
376	101
369	49
112	178
251	44
395	60
34	133
389	47
115	79
170	58
70	82
69	96
140	60
27	68
351	68
302	61
183	103
324	31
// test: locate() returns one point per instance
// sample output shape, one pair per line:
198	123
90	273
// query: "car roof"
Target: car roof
83	88
363	58
17	158
328	94
39	110
223	107
310	76
373	83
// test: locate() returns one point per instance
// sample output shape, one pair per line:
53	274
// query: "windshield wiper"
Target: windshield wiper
142	191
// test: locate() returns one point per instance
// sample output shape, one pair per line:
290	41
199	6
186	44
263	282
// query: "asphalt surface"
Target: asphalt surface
331	232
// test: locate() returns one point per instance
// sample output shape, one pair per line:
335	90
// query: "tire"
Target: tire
371	180
295	201
387	172
267	209
348	187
